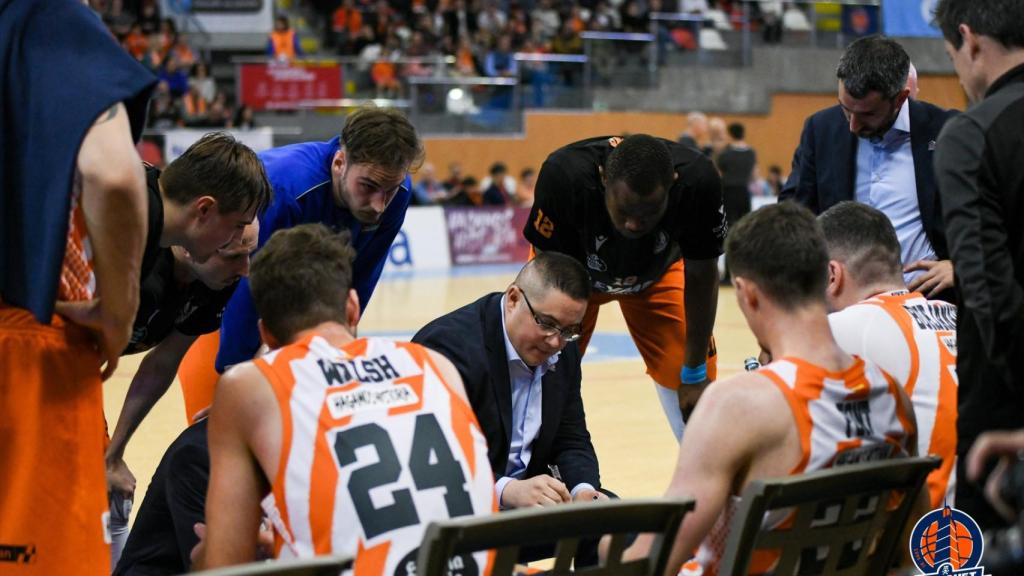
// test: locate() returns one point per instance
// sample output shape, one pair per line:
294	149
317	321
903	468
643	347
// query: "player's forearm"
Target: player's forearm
701	303
148	386
114	205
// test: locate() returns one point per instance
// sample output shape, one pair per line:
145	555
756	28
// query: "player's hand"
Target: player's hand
542	490
589	496
120	478
688	396
938	276
199	550
112	336
1007	446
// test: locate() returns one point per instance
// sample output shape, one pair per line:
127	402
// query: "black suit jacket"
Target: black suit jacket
825	165
471	337
162	537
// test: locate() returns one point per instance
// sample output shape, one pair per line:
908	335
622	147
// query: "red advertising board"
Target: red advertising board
282	85
487	235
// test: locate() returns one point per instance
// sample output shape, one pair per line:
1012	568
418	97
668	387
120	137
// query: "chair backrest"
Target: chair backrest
319	566
842	521
506	533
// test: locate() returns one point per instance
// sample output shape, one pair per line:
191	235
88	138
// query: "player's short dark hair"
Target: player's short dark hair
526	173
301	278
498	168
382	137
780	248
217	165
556	271
737	131
1000	20
874	64
643	162
863	238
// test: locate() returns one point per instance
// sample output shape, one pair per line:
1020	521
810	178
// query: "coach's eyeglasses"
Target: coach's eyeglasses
549	329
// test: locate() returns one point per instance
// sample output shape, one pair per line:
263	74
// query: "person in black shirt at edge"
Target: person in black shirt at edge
202	214
979	169
633	211
736	163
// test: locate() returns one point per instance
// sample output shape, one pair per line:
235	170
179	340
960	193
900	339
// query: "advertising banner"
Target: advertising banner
909	18
487	235
281	85
422	244
177	141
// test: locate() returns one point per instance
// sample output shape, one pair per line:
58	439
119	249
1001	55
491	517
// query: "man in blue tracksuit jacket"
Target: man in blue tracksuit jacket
357	182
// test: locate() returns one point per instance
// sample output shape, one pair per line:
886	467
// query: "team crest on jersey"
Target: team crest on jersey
947	542
595	263
661	243
348	402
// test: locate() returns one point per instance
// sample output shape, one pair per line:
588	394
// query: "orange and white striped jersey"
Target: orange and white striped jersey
77	279
847	417
913	339
375	445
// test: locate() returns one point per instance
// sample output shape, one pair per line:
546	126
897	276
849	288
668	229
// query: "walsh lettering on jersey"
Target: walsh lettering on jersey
346	403
933	317
365	370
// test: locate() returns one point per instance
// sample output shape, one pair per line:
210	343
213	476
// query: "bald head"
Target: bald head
863	240
552	270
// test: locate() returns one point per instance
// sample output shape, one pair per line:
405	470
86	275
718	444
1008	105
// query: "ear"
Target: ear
970	40
266	336
604	179
352	311
338	163
204	206
902	97
746	292
836	278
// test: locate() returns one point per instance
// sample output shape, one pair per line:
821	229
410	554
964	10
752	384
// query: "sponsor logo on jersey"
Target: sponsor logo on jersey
947	542
661	243
346	403
25	554
599	241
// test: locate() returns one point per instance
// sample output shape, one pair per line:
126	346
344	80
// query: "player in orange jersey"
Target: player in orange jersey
853	410
911	338
352	445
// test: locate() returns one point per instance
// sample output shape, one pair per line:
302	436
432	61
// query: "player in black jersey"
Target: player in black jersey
645	216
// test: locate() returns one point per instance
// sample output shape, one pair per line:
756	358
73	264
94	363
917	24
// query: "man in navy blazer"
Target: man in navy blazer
876	147
518	359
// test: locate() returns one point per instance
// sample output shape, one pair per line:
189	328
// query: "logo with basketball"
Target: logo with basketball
947	542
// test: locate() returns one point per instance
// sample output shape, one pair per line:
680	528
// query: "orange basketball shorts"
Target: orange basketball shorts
656	319
53	491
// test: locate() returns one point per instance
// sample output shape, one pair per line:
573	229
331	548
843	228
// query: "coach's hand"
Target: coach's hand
938	276
120	478
688	396
589	496
542	490
112	335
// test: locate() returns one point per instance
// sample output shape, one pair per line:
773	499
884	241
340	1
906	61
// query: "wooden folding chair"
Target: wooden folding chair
843	522
506	533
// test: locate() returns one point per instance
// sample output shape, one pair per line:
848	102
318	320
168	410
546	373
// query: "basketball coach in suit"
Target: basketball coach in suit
517	356
876	147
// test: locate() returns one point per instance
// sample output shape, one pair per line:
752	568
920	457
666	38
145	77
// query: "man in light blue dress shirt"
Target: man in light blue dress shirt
876	146
516	352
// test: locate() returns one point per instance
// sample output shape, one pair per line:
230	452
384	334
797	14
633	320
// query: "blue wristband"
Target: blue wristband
694	375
